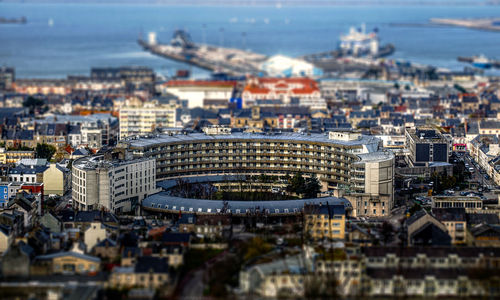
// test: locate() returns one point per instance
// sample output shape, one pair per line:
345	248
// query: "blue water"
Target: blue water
86	35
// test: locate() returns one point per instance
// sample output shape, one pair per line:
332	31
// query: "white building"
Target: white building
143	120
114	185
201	93
284	66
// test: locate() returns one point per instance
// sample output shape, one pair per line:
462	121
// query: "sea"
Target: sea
69	38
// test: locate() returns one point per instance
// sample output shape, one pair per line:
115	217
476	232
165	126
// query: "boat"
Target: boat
481	62
359	43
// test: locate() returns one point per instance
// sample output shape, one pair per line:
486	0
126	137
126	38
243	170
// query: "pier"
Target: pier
217	59
492	24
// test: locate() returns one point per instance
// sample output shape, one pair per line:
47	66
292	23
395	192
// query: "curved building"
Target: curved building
345	161
328	156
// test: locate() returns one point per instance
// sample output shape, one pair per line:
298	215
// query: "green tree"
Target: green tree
33	103
45	151
312	187
297	184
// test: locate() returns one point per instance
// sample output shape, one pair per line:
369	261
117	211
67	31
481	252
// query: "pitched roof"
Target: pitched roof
148	264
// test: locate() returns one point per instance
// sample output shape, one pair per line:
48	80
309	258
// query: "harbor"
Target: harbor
358	51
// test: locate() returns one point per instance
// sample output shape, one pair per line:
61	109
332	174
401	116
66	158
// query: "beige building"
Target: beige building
471	204
325	221
10	157
373	179
143	120
71	262
6	238
94	234
148	272
56	180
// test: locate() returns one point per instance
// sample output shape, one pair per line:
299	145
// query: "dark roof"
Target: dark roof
95	215
22	169
431	235
473	219
169	237
5	229
149	264
131	252
485	230
67	215
417	215
454	214
329	210
107	242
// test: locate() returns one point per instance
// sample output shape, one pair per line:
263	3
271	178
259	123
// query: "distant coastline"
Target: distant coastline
490	24
275	3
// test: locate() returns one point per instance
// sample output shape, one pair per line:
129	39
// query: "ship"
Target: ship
481	62
484	63
358	42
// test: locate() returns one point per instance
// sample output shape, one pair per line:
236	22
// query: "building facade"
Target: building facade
325	221
115	185
329	157
143	120
426	146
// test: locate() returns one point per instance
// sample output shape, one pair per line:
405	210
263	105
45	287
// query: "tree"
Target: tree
313	187
33	103
45	151
297	184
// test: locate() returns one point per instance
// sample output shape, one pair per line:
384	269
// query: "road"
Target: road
193	288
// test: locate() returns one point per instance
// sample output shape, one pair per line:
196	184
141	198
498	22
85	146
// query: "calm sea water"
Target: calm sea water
86	35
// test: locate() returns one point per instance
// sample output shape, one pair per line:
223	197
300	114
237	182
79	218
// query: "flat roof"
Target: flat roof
287	137
93	162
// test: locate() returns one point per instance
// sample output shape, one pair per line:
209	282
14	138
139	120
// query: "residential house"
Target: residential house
6	238
106	248
454	219
95	233
425	230
56	179
70	262
148	272
52	222
324	221
16	260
